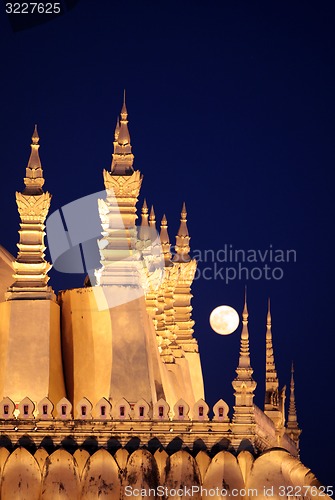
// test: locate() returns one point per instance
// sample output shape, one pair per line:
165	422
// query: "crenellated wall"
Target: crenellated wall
102	421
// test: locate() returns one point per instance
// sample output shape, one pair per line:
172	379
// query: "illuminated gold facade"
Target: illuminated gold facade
110	398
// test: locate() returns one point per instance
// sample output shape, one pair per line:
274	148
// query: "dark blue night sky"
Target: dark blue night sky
231	108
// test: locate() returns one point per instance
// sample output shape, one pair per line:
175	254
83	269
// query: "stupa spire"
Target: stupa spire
124	137
124	112
122	185
271	378
244	370
165	241
33	205
152	218
292	421
182	239
244	360
122	163
144	228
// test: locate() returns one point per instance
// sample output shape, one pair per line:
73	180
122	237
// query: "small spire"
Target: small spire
271	379
182	239
292	412
292	422
244	370
244	384
152	218
144	232
165	241
34	174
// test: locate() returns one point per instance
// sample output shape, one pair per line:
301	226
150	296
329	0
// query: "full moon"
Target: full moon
224	320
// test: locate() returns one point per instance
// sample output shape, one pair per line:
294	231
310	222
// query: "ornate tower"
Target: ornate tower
33	204
119	255
182	304
272	403
30	317
244	386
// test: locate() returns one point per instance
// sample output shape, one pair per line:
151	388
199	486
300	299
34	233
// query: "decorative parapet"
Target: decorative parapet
125	420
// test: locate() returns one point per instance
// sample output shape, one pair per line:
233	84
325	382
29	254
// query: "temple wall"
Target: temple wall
108	352
6	271
31	362
61	475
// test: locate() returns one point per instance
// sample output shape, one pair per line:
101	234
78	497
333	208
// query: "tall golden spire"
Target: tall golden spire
122	185
271	378
33	204
165	241
182	239
292	422
122	163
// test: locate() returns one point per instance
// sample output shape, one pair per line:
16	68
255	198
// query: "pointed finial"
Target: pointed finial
35	138
124	112
292	382
183	212
292	408
144	207
164	221
152	218
245	313
182	239
268	316
34	174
